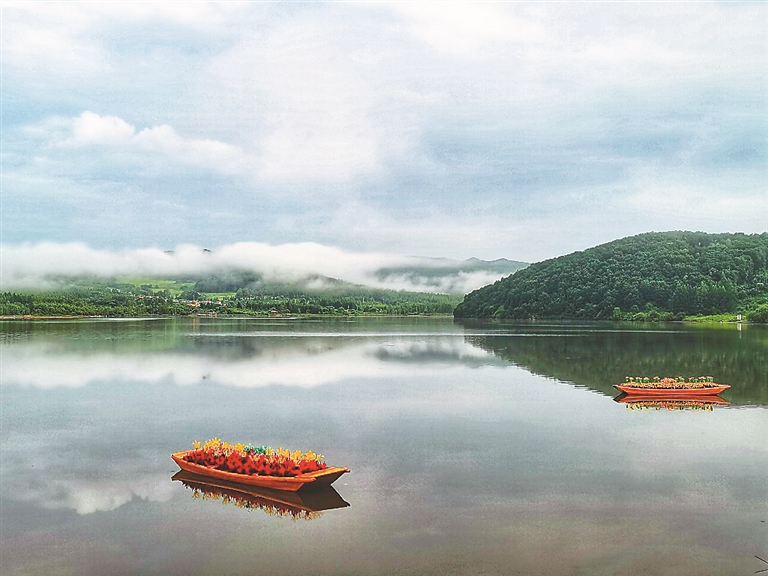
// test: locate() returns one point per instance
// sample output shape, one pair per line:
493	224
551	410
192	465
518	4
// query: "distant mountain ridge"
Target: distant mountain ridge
440	275
445	275
51	266
445	265
662	275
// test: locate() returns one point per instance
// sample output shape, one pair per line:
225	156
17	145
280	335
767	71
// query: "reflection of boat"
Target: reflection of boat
290	483
637	402
306	504
658	392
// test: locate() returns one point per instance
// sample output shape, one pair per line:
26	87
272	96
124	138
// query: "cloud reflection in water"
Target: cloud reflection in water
312	362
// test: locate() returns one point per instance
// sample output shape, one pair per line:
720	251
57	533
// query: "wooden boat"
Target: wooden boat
671	392
292	483
305	504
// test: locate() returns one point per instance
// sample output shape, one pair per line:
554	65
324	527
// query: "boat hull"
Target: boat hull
671	392
316	500
292	483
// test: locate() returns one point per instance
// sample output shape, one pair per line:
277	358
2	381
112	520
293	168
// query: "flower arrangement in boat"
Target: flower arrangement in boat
254	460
672	383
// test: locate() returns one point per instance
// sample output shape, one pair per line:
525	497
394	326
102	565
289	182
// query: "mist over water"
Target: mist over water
473	448
306	265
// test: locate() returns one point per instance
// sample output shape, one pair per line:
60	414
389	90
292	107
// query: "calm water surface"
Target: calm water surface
473	448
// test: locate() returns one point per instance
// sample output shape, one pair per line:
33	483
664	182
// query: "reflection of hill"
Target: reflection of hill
599	356
222	337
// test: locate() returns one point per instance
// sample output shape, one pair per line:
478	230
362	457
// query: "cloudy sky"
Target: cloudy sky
515	130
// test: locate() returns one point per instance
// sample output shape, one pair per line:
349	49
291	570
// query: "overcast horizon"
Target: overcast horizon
370	133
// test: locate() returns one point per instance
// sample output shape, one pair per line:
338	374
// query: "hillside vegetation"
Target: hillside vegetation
653	276
213	296
432	286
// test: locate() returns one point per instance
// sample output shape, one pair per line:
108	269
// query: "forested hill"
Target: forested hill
658	275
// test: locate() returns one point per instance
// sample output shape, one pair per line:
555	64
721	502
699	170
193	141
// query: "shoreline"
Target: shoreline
32	318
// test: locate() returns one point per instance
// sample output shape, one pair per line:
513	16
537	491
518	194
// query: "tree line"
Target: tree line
128	301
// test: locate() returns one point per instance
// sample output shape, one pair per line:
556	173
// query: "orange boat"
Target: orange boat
671	392
290	483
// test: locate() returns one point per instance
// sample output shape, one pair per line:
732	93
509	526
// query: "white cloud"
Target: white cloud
466	27
49	38
306	145
90	128
39	265
293	112
316	110
211	153
109	132
68	39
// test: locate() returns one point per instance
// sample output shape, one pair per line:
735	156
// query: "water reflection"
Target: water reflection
304	505
85	495
598	355
679	403
475	448
250	360
250	354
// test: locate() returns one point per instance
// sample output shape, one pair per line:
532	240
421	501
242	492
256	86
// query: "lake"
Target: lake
474	448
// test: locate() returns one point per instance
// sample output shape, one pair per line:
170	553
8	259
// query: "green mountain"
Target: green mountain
658	275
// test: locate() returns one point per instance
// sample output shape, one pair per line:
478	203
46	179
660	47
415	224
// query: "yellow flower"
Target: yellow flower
196	444
212	444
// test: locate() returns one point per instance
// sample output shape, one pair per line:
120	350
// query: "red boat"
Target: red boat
290	483
672	392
